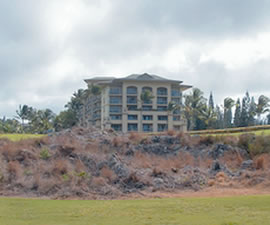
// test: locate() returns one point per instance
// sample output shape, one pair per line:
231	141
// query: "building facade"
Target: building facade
118	104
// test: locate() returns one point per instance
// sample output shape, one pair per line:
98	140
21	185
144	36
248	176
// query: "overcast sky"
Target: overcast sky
47	47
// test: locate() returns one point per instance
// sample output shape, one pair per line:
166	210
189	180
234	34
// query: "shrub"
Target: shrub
171	132
108	174
45	154
259	163
245	140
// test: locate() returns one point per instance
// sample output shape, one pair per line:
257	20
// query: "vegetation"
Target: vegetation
245	210
201	115
19	137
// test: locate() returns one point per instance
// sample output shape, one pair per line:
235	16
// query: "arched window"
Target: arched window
146	89
162	91
131	90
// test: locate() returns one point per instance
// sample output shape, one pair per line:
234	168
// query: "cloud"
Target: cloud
48	47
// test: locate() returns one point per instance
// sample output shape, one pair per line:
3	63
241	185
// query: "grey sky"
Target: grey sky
48	47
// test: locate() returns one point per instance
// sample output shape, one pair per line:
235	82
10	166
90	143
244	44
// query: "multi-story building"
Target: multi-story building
119	105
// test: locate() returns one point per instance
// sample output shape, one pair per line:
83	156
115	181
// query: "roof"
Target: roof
147	77
135	77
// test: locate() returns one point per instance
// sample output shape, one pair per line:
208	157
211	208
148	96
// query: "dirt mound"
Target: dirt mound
89	163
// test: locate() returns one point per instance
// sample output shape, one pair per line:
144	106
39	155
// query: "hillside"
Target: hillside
94	164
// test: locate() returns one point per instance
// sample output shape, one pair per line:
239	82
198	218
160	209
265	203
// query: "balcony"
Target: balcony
162	100
132	91
116	100
162	91
115	109
132	117
115	91
131	100
132	127
147	127
176	93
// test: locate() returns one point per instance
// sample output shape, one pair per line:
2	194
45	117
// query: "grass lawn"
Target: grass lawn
244	210
18	137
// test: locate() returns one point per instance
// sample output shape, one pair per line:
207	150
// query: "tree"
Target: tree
211	102
22	113
220	118
262	106
252	112
237	114
228	104
65	119
76	102
42	122
208	117
245	110
194	103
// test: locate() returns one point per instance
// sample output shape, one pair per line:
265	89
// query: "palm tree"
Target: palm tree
194	103
209	116
228	104
22	114
262	106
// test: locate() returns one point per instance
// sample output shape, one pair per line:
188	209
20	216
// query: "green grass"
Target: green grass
18	137
245	210
257	130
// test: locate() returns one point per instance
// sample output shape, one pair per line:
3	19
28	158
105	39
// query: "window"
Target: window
115	109
115	117
146	107
176	118
147	127
177	127
162	91
162	117
162	127
176	112
132	117
147	117
161	100
131	100
176	92
115	100
131	90
176	101
132	107
116	127
162	108
115	90
146	89
132	127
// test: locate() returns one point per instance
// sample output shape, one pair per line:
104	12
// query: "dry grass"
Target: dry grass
108	174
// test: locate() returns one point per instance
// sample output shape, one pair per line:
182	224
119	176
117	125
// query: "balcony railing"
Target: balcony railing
115	101
115	91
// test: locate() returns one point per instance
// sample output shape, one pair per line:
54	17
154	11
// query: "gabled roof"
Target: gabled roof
134	77
146	77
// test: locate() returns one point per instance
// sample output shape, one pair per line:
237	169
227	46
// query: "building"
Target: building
118	104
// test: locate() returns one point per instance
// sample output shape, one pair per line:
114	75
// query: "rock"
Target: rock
158	183
248	164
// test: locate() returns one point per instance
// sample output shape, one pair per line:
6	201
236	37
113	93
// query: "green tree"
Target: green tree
211	102
245	110
42	121
194	103
237	114
65	119
252	112
262	106
22	113
228	104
